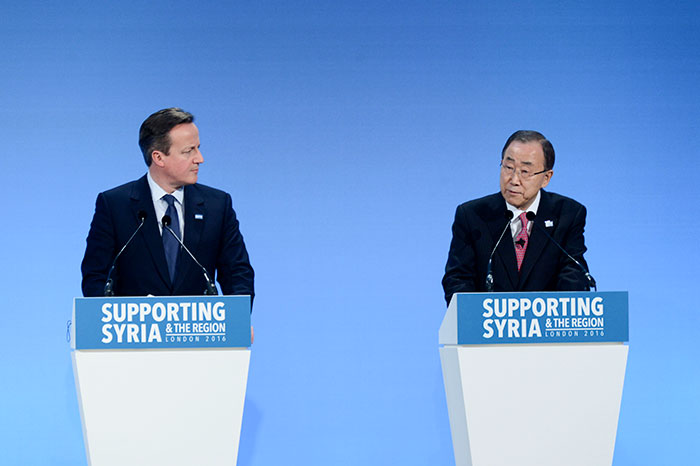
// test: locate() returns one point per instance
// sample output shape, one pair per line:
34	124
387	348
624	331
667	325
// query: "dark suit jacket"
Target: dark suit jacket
476	229
211	233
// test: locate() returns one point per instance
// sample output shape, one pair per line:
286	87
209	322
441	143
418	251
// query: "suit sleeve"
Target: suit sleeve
571	278
460	270
100	250
234	272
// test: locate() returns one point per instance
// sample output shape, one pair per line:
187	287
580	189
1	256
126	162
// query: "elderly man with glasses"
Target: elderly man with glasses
527	258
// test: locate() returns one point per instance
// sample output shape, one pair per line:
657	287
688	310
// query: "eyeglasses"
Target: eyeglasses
523	173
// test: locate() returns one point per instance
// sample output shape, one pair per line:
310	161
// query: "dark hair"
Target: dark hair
153	134
530	136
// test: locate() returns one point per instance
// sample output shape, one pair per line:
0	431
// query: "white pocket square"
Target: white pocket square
548	223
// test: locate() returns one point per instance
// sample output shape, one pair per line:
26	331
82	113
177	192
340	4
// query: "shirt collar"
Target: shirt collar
533	208
157	192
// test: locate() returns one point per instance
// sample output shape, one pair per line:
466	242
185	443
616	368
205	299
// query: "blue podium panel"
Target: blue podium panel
161	322
534	353
538	317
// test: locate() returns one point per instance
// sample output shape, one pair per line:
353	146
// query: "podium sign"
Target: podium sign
534	379
555	317
161	322
161	380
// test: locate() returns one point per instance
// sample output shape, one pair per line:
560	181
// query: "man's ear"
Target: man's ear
158	157
547	176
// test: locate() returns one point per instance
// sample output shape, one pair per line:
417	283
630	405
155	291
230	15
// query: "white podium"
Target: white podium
169	396
527	394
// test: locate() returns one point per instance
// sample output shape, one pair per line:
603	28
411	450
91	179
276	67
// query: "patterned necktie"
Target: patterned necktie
170	244
521	240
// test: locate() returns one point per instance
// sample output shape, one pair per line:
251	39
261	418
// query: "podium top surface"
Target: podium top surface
536	317
168	322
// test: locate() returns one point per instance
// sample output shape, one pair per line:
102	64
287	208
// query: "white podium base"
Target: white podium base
161	407
534	405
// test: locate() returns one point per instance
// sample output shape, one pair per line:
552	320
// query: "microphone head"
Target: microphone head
166	220
531	216
142	215
508	214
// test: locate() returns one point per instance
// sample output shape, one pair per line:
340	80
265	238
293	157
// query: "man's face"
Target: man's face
180	165
520	161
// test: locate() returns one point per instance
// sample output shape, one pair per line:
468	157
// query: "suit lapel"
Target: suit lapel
195	216
141	200
537	239
505	252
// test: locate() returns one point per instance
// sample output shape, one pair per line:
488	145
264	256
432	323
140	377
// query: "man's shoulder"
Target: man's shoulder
126	189
491	199
486	209
206	192
558	201
483	204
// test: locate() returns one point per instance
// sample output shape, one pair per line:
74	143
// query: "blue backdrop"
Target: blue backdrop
347	133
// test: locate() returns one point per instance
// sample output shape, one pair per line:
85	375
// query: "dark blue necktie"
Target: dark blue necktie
170	244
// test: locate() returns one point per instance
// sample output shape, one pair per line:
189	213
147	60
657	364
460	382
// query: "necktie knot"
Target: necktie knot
170	199
523	219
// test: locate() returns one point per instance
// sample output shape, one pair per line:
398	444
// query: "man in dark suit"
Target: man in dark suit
525	260
203	217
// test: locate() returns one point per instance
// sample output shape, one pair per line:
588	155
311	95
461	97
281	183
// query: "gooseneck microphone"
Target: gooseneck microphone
591	281
211	287
109	284
489	273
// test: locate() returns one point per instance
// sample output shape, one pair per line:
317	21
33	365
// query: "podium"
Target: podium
534	379
161	380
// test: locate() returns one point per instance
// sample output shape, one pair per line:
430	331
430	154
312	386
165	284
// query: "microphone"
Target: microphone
211	287
109	284
489	273
591	281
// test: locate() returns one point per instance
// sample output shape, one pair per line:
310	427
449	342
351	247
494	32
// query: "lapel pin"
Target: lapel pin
198	217
548	223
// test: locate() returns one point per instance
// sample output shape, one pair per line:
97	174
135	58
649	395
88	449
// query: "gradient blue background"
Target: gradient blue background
347	133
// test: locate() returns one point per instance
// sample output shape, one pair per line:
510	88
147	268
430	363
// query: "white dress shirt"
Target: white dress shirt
161	205
515	223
